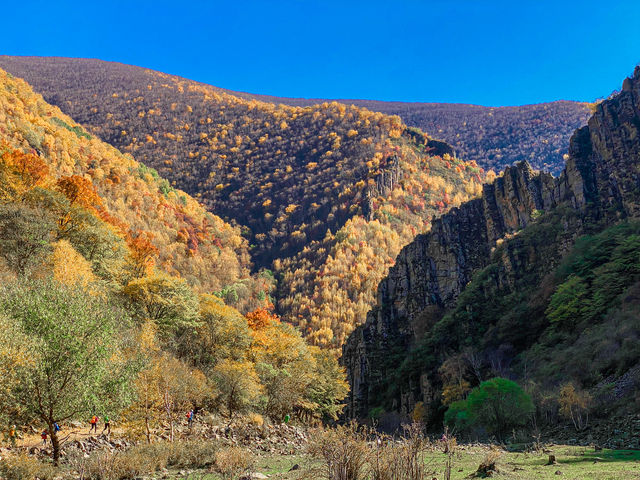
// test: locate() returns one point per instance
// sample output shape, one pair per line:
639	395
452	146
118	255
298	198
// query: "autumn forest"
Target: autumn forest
235	278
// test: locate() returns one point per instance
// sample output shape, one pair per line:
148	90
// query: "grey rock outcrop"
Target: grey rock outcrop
601	181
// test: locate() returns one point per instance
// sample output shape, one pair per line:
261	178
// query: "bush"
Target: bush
344	450
23	466
255	419
488	466
497	405
457	416
404	460
146	459
192	453
231	462
376	412
124	465
349	455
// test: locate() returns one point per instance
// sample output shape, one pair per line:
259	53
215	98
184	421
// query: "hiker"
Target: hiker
107	425
56	427
287	418
445	443
13	433
43	436
94	424
190	418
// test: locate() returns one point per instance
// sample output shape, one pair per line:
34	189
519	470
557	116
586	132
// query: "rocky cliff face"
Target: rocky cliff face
388	178
383	185
601	182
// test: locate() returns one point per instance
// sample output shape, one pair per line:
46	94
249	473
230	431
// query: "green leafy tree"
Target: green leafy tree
328	386
568	303
98	243
25	236
222	334
78	364
238	385
167	301
284	388
457	416
498	405
15	354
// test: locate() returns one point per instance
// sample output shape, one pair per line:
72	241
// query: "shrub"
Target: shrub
124	465
498	405
376	412
344	451
419	412
23	466
146	459
232	462
192	453
488	466
403	460
457	416
255	419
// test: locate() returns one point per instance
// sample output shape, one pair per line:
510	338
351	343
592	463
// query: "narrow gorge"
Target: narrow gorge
599	187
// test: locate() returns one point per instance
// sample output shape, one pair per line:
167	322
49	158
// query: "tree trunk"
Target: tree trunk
55	444
147	430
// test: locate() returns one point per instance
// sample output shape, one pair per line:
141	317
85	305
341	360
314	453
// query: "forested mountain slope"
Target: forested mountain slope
536	280
495	137
326	194
106	309
186	239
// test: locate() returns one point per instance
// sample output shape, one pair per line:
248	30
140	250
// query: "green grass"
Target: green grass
575	463
579	463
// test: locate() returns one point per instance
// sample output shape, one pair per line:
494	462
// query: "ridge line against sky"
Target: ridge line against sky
491	53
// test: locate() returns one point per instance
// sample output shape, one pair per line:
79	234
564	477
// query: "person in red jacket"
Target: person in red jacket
94	424
190	418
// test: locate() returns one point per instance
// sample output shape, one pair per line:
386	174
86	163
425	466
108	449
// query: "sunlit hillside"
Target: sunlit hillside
326	194
187	240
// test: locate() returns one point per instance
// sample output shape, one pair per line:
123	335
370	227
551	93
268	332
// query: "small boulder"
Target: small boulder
254	476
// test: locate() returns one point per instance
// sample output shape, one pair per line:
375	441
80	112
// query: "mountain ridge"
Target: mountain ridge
482	133
479	287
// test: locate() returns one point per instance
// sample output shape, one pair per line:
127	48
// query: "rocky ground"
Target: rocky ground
623	433
280	452
279	439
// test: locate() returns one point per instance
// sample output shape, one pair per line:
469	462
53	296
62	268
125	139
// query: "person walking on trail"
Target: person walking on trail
190	418
94	424
43	436
56	427
107	425
13	434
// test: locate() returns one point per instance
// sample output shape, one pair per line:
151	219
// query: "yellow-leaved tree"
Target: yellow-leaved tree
69	267
296	378
166	389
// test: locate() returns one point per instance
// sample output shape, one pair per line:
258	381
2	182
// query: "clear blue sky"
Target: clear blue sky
468	51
